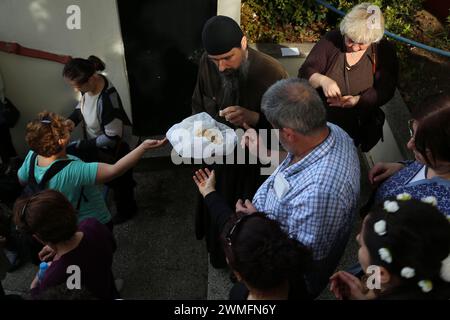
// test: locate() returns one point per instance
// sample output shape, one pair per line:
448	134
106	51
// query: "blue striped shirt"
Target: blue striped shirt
323	194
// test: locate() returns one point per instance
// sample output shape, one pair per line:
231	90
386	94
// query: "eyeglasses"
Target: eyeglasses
23	215
233	229
411	128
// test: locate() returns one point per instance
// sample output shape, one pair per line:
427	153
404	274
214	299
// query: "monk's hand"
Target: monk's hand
205	181
239	115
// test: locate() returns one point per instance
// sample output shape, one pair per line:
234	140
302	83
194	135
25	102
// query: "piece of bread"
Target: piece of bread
214	135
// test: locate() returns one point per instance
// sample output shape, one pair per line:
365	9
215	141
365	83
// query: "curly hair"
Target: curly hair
263	254
417	236
44	133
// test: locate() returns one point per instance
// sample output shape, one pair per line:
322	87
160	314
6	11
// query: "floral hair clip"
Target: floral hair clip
445	269
426	285
430	200
391	206
408	272
404	196
385	255
380	227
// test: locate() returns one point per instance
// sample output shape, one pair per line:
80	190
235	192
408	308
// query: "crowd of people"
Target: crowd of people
281	236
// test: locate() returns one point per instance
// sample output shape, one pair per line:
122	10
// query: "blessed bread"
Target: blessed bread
212	134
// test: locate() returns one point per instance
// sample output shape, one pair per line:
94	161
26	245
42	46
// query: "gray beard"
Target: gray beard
231	82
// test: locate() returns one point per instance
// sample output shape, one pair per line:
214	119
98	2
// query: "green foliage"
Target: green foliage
398	14
298	21
281	20
267	20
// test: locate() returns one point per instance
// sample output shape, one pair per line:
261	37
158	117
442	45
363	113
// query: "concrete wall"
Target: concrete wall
34	85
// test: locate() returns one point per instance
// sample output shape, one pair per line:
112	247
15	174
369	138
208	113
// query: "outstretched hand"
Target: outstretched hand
205	181
153	144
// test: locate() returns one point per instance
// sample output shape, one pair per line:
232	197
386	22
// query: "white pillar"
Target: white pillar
230	8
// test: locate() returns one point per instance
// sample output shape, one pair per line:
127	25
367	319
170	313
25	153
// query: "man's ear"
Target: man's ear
288	133
244	43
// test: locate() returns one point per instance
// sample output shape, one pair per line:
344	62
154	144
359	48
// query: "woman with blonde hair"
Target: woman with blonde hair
355	71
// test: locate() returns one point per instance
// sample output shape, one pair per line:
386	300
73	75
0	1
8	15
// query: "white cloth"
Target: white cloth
89	109
419	176
192	138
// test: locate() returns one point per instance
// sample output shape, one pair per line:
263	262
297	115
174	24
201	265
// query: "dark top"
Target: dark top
209	94
109	108
234	181
93	255
374	78
220	214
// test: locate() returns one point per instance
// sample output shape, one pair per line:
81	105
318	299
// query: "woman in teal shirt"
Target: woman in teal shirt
48	137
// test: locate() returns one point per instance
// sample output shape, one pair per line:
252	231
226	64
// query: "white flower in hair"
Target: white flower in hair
408	272
380	227
385	255
430	200
445	269
426	285
391	206
404	196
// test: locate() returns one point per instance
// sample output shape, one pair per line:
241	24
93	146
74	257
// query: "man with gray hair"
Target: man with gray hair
314	192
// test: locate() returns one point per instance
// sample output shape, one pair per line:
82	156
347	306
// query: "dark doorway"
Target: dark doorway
162	40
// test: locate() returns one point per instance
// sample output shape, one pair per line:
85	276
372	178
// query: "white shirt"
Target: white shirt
89	110
419	176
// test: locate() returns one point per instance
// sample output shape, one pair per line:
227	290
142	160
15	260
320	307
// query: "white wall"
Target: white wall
230	8
34	85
